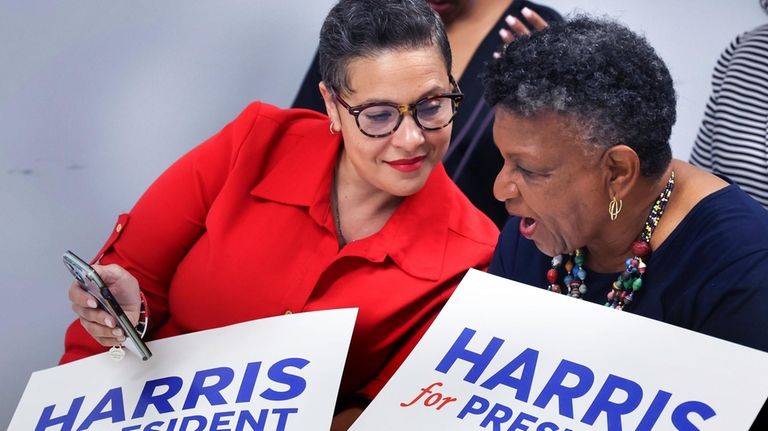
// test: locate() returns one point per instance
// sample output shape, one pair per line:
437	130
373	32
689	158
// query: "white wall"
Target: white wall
97	97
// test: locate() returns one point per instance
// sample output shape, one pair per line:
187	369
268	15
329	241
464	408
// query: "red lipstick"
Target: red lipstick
407	165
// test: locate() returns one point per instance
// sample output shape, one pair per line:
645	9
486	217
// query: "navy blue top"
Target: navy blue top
710	275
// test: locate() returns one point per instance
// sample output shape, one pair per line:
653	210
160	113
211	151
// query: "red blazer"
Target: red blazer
240	228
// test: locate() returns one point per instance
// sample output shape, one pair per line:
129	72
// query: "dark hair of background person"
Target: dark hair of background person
472	160
604	77
364	28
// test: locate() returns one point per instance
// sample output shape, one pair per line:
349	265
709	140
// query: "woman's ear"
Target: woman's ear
330	106
623	168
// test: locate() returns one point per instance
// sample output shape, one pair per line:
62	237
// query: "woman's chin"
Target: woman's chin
548	249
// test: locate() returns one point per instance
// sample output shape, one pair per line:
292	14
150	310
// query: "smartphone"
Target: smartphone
90	281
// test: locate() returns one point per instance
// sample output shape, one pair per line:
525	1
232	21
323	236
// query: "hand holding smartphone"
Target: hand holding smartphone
90	281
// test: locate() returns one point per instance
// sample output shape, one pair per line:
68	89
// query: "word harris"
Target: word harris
208	384
502	417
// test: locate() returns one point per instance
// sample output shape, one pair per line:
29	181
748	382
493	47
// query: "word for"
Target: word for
435	398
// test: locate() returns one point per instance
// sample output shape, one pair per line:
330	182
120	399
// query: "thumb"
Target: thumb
111	274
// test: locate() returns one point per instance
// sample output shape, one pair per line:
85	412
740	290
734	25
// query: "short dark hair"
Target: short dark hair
599	74
364	28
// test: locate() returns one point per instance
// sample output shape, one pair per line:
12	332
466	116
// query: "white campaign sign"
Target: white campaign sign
505	356
279	373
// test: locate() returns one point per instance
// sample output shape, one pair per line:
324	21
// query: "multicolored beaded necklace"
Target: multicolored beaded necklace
630	280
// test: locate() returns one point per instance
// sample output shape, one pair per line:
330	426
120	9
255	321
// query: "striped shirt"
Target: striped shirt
733	138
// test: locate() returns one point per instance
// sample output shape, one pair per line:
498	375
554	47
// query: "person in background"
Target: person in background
733	137
477	29
291	210
584	112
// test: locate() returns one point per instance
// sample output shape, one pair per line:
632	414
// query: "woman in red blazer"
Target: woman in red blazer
286	211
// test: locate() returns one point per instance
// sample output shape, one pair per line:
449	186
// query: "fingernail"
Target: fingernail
108	322
503	33
527	12
511	21
496	55
121	339
117	332
91	303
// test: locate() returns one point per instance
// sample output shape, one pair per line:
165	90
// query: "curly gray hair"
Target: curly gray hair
599	74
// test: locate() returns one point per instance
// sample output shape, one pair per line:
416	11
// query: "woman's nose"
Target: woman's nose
504	188
409	135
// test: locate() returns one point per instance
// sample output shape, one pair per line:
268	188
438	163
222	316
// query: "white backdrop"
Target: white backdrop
96	98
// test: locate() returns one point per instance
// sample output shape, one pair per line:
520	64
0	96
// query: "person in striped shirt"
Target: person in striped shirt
733	137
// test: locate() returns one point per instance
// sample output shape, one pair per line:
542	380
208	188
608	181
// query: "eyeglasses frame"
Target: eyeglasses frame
456	97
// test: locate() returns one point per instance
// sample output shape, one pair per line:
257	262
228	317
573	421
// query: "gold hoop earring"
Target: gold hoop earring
330	128
614	208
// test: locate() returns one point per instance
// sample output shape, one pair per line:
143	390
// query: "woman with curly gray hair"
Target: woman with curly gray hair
584	112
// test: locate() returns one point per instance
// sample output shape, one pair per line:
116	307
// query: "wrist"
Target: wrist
143	323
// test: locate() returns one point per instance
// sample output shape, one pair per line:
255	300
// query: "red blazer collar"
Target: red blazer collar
304	167
416	235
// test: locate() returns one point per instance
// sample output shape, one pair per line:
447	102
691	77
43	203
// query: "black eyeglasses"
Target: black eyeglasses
380	119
